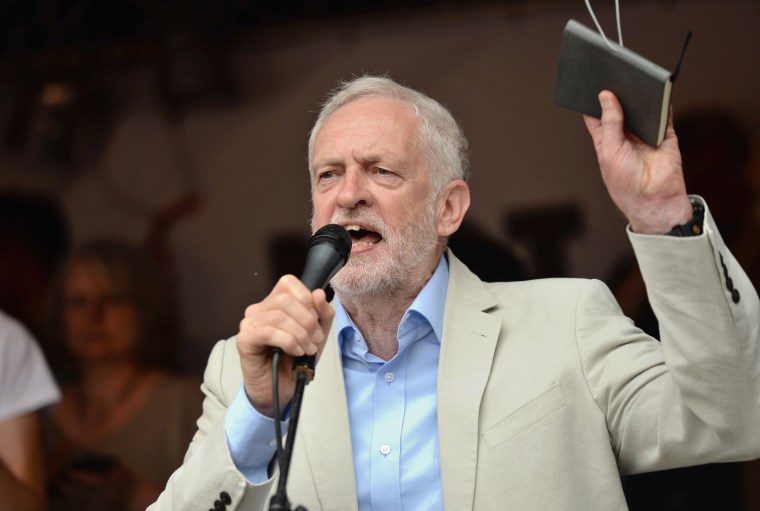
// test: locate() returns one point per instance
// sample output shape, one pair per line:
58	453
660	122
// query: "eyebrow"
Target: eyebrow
327	162
391	160
369	158
374	158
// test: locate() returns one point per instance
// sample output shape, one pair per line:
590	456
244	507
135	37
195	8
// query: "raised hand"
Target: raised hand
646	183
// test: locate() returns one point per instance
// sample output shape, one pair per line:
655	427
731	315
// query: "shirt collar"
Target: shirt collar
429	304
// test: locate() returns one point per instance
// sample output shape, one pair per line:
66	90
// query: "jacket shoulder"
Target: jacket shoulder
223	376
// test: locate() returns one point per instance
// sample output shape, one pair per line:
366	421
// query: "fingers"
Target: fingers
291	318
80	481
606	132
594	127
100	489
287	319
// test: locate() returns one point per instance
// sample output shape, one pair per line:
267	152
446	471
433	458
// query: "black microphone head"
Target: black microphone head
335	236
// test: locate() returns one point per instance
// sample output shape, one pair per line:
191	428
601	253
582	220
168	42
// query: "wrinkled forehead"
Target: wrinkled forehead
368	121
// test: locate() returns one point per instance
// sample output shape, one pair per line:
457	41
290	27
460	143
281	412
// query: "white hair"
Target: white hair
441	139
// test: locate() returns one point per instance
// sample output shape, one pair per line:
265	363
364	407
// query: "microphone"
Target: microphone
329	249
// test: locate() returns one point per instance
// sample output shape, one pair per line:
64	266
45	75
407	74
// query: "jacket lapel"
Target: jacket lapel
467	349
326	434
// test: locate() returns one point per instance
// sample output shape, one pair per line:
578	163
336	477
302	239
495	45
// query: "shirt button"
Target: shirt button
385	450
389	377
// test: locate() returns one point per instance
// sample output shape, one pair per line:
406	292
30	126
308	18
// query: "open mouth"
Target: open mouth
362	237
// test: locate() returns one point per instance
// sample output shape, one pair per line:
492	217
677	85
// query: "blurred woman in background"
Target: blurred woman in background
125	419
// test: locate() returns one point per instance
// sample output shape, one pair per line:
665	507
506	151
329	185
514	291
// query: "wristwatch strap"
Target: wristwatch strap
694	226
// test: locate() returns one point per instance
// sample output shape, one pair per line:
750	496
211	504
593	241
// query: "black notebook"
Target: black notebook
588	65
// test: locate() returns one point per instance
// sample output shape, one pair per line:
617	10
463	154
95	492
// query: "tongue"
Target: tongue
365	237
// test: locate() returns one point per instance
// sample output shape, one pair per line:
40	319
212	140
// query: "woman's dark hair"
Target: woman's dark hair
135	275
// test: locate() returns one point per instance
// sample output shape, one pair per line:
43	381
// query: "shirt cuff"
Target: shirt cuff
250	438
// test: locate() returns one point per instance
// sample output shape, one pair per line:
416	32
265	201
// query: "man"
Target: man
435	390
26	386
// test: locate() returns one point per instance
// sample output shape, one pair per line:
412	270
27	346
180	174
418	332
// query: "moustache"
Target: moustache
370	220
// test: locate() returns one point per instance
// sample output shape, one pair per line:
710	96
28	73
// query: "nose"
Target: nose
96	308
354	190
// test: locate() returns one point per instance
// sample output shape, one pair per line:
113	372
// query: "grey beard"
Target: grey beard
409	249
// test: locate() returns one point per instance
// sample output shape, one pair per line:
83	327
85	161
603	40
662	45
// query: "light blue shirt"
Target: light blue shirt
392	408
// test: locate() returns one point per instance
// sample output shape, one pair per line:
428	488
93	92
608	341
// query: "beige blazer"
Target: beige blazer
546	392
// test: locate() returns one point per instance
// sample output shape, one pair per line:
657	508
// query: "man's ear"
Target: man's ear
452	205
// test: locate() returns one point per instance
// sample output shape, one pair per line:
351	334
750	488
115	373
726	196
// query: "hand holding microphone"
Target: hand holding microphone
295	317
328	253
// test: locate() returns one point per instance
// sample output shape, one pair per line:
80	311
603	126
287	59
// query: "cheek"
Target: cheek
123	321
321	214
411	212
72	322
121	327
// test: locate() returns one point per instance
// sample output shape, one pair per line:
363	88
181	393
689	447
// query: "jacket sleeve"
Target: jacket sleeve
208	473
695	397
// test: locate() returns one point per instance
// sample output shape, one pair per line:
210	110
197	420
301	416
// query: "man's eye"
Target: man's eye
328	174
384	172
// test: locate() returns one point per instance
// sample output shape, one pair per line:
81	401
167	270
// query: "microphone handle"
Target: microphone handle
322	262
305	365
313	280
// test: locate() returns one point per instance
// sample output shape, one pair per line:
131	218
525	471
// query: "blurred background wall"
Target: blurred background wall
188	123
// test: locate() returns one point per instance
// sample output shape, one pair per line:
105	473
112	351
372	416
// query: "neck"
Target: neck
108	380
377	315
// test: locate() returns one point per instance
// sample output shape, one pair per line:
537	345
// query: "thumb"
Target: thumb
613	135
